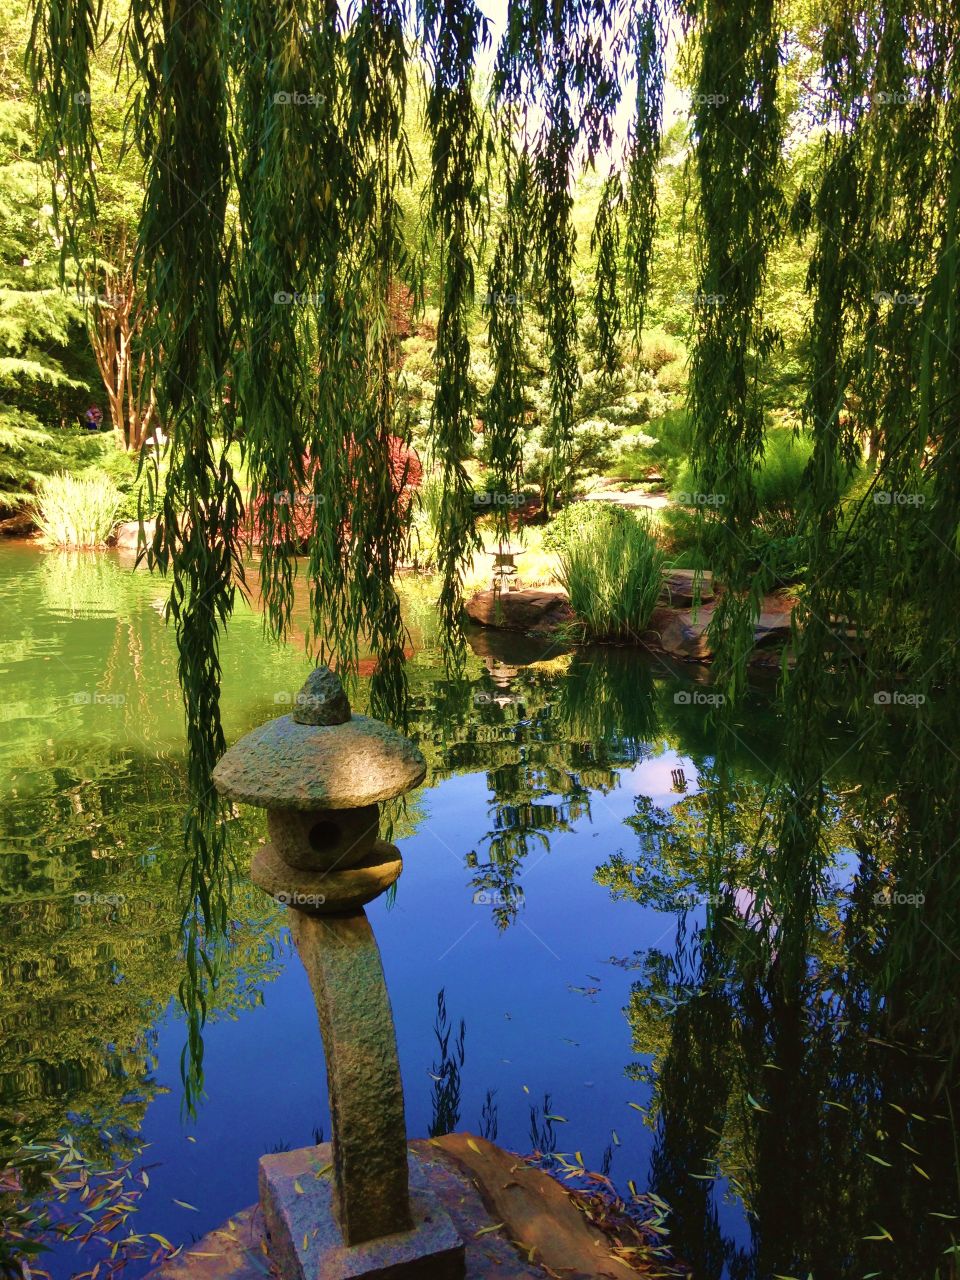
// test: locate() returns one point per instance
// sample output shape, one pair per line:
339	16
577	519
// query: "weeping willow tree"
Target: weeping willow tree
274	147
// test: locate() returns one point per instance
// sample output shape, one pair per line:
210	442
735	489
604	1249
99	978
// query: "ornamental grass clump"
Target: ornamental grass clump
612	568
77	511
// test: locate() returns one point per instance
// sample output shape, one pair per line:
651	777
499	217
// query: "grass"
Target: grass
77	511
612	568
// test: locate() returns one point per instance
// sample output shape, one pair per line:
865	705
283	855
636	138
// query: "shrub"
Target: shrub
657	349
780	482
77	511
424	542
612	568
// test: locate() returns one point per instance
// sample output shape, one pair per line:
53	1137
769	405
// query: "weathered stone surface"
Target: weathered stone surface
533	609
681	632
323	839
285	765
536	1211
678	588
369	1155
127	535
234	1251
20	525
306	1243
773	624
322	699
324	893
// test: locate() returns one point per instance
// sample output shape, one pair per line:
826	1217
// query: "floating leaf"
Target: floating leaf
183	1205
485	1231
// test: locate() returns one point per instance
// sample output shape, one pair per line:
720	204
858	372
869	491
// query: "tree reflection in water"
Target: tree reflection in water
814	1101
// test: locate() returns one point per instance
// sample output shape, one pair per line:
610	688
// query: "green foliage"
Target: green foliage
818	157
77	511
612	568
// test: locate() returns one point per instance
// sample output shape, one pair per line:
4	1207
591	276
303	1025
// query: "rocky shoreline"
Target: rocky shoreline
678	628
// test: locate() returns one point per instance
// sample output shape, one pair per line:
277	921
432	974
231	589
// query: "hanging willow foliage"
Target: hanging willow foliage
453	33
274	152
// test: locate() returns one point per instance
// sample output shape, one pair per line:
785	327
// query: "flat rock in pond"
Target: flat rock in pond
532	609
126	536
535	1211
679	588
20	525
681	632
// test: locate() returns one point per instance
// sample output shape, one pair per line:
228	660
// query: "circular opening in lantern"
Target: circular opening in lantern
324	835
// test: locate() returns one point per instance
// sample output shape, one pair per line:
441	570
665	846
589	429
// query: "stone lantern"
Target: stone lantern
321	774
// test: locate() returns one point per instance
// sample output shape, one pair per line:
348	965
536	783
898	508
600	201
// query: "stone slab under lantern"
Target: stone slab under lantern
296	1196
326	892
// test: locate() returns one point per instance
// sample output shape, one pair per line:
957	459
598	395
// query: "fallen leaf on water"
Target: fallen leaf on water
485	1231
183	1205
297	1187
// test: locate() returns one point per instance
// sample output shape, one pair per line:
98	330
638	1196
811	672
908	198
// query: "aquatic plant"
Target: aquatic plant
612	569
77	511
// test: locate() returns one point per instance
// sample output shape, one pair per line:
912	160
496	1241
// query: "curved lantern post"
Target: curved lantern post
321	773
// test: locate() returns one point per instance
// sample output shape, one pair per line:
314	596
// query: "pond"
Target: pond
558	878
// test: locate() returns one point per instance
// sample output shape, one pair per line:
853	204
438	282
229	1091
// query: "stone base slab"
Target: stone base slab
305	1242
326	892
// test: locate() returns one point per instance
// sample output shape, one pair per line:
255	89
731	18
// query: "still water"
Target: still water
558	873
